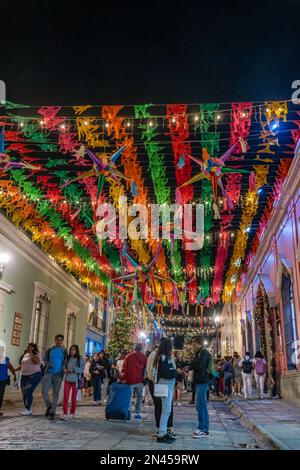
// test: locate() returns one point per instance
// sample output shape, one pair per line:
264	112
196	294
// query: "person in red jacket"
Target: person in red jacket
133	371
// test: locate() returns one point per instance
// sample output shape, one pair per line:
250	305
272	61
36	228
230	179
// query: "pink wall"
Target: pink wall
283	249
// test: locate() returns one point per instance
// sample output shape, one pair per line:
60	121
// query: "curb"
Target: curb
257	430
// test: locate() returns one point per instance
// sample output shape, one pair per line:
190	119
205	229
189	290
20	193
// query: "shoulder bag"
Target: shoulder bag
160	390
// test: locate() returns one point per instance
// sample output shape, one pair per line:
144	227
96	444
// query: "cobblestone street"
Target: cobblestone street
91	431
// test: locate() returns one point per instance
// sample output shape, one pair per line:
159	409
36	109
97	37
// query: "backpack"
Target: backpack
247	366
260	367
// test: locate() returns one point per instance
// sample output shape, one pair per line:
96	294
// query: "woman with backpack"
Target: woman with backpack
246	363
166	374
73	369
260	370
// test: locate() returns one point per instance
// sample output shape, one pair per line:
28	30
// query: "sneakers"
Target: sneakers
64	417
97	403
138	416
198	434
25	412
172	434
178	403
72	416
52	416
47	414
191	402
166	439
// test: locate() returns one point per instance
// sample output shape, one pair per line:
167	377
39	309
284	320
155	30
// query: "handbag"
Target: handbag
160	390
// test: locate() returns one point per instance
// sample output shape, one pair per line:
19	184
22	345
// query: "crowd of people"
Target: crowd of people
234	375
159	377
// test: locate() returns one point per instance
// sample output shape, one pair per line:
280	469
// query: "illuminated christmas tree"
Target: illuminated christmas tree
123	331
188	349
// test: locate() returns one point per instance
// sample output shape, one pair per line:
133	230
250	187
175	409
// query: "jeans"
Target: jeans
228	383
247	382
166	403
51	381
139	399
28	385
260	384
68	387
201	407
158	407
3	384
97	382
105	387
215	385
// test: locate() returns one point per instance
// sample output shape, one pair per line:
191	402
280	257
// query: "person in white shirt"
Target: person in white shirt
260	370
246	363
119	363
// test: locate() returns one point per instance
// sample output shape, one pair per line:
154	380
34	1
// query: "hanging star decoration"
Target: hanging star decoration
104	170
142	273
213	168
6	164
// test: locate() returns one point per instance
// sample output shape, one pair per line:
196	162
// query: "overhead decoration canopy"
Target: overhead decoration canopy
58	162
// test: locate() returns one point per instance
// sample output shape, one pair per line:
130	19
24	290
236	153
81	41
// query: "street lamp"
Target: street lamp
4	259
217	322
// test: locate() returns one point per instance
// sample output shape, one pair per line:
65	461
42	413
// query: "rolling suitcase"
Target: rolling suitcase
118	402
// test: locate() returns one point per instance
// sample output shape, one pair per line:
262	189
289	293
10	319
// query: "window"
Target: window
71	328
289	318
97	314
70	325
41	322
40	315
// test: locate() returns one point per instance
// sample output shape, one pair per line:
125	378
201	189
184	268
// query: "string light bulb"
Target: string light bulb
22	124
196	118
150	123
218	117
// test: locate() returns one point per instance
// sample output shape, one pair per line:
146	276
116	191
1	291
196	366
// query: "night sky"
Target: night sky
64	52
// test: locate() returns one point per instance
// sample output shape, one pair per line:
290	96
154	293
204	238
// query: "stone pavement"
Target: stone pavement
91	431
274	422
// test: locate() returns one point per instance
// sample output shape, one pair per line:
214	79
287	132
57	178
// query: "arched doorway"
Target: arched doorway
265	333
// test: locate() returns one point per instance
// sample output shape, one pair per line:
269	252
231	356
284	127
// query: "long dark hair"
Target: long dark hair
77	355
34	347
164	349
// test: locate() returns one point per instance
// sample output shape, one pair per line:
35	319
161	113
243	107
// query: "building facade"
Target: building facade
266	314
38	300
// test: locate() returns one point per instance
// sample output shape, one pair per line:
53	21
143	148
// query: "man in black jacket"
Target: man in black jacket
202	368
